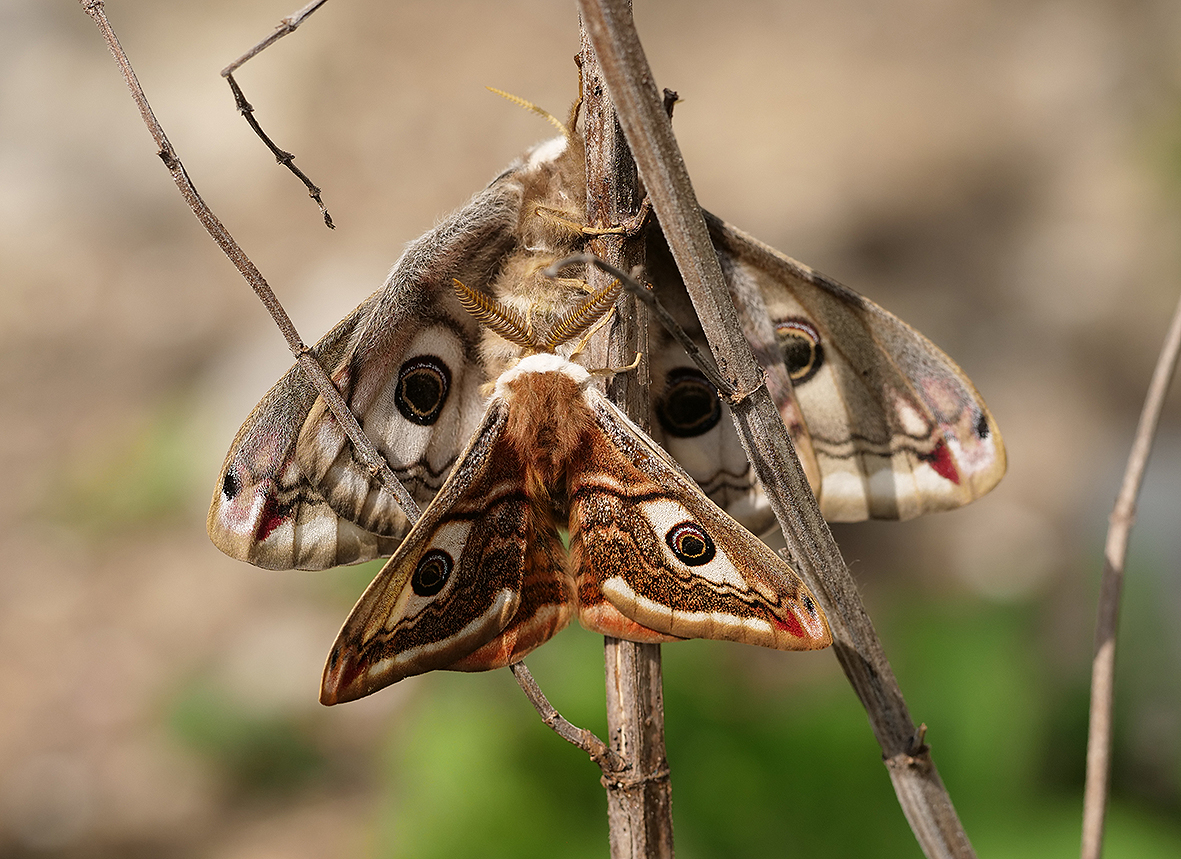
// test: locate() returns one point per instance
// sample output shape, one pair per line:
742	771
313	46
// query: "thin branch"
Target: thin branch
612	765
286	26
639	808
282	156
920	791
1123	516
304	354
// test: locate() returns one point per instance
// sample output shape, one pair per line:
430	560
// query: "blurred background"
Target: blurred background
1005	176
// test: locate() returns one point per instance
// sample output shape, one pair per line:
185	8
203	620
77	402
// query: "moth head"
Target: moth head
542	362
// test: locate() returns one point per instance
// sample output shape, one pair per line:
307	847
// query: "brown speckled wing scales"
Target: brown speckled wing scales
474	586
655	559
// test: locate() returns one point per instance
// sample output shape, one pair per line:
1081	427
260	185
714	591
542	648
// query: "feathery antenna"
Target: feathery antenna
530	106
505	321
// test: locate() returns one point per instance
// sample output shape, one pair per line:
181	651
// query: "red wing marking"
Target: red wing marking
940	460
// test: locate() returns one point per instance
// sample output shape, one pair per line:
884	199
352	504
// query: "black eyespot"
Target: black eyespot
981	426
432	573
423	384
691	544
231	485
688	406
803	353
809	605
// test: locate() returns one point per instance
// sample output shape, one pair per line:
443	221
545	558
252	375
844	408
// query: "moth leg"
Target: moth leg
595	329
629	228
627	368
634	225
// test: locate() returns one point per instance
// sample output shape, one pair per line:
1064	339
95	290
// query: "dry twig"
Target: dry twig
612	765
285	26
306	356
921	793
1123	516
639	809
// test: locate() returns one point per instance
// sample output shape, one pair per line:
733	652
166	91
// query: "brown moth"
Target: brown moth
886	425
483	577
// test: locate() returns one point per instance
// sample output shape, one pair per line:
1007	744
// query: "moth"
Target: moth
885	424
484	576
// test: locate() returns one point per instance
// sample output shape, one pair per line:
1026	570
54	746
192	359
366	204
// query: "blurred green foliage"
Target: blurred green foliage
768	765
255	754
134	480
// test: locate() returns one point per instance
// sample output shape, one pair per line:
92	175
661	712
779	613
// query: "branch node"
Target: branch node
623	782
918	745
737	396
598	751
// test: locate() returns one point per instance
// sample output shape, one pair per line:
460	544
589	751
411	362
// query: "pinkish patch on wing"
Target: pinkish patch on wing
272	517
940	460
792	624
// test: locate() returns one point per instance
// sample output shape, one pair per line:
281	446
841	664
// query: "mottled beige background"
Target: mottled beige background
1002	175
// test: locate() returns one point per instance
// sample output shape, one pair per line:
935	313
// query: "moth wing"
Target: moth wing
264	511
412	373
291	494
692	423
897	427
689	419
889	427
471	588
654	558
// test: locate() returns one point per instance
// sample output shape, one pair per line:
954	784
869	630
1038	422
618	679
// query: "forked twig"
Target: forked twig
1123	516
921	793
285	26
304	354
612	765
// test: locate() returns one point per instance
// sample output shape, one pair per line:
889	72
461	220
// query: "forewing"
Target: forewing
471	588
264	510
413	373
653	558
291	493
886	425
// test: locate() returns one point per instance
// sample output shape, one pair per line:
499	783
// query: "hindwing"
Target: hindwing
885	424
